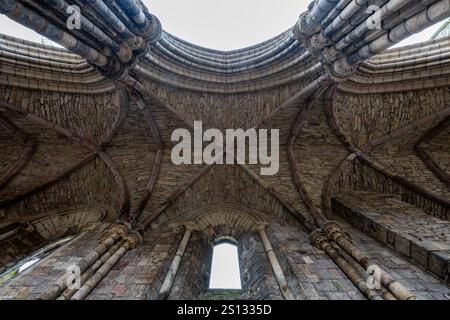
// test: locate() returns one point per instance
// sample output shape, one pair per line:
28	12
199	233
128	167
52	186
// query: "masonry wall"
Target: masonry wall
140	273
311	274
360	176
34	234
418	281
35	280
365	117
404	228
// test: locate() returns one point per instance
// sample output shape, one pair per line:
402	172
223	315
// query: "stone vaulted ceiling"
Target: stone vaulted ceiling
85	133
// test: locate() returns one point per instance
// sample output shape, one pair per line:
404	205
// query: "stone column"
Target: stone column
69	292
171	274
278	272
320	240
118	231
130	241
336	233
24	227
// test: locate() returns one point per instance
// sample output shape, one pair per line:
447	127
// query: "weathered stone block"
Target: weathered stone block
419	254
403	245
439	263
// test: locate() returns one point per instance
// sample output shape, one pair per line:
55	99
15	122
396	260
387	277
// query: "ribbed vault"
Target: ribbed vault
85	134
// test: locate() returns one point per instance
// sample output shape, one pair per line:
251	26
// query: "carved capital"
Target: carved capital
341	70
152	31
319	239
136	43
120	228
333	230
318	41
134	239
191	225
260	226
330	54
302	24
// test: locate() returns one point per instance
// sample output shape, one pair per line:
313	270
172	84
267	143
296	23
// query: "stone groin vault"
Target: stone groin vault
85	144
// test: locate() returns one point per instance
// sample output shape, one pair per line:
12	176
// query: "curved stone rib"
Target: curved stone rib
426	157
403	131
135	215
51	181
124	199
356	153
317	215
24	158
305	220
145	223
330	185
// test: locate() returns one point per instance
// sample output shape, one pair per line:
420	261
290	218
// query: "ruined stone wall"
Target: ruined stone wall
439	150
220	110
232	197
133	150
318	152
399	156
311	274
92	184
50	180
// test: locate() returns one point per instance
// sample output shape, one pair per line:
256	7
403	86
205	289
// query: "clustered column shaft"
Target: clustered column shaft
24	227
335	233
345	33
111	35
95	266
331	237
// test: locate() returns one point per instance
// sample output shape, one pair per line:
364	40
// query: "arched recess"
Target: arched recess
218	222
22	237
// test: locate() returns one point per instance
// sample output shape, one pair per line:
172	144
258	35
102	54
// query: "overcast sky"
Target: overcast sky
219	24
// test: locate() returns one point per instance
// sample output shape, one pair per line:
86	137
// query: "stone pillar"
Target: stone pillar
130	241
171	274
68	293
278	272
336	233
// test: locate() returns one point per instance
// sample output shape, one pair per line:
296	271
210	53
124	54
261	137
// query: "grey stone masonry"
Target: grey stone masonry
400	226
